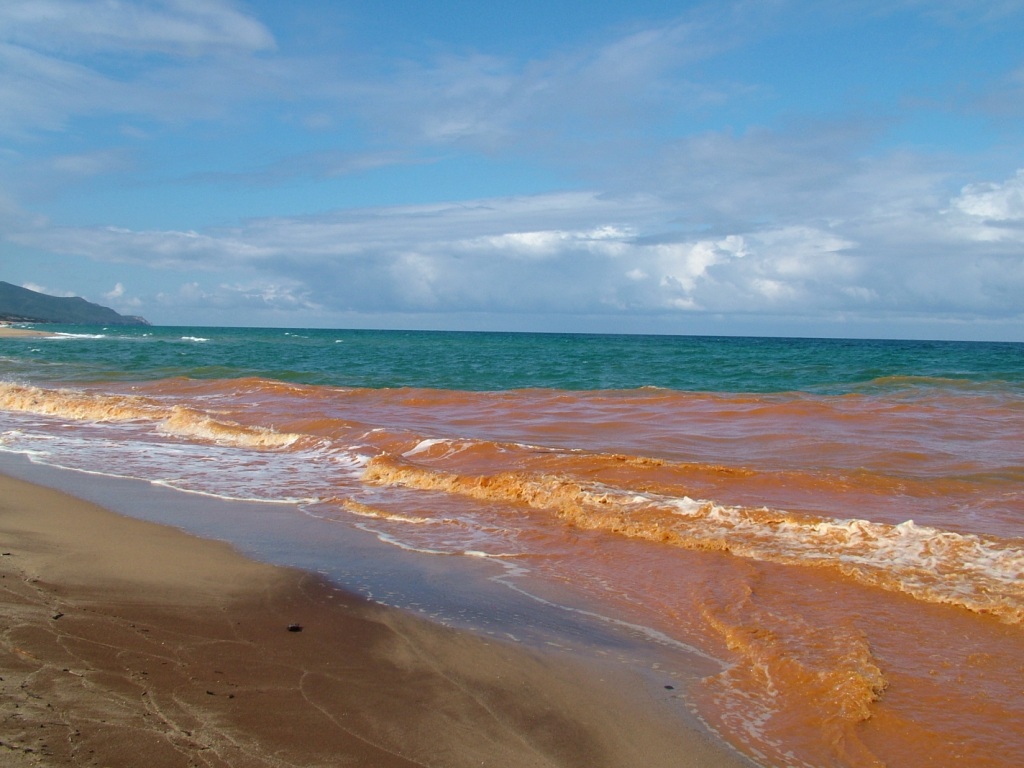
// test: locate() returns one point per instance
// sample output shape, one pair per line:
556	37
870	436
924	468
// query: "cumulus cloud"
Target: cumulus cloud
119	299
994	201
49	291
543	245
793	269
505	255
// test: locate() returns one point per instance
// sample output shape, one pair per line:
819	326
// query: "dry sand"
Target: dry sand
126	643
7	332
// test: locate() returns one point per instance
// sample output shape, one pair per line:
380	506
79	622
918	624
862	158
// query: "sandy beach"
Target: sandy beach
128	643
7	332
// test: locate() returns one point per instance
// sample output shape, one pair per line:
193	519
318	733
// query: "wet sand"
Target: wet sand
128	643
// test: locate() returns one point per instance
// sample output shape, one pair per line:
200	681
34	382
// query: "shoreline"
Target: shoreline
9	332
130	642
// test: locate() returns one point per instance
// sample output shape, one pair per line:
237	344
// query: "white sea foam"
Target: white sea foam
178	485
426	445
376	514
396	542
983	574
490	555
228	470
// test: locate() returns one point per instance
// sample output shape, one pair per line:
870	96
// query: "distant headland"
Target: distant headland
21	305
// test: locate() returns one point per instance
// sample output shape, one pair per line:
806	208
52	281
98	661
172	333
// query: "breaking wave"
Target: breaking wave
173	420
981	574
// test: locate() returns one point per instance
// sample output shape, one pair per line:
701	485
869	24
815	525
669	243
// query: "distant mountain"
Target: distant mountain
21	305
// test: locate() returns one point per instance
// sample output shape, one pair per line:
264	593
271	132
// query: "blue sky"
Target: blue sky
779	167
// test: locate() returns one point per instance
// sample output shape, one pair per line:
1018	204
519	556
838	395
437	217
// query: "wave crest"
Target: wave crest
981	574
178	421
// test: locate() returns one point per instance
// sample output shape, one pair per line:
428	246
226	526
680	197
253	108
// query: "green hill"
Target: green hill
24	306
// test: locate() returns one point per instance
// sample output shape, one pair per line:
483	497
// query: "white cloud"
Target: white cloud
158	249
169	26
539	245
990	214
43	289
38	91
605	88
515	255
228	299
794	269
994	201
475	99
177	60
418	258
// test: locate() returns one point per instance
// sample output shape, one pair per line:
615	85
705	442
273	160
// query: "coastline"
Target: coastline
129	642
7	332
827	663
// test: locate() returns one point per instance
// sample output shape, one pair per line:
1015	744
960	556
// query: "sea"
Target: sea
819	541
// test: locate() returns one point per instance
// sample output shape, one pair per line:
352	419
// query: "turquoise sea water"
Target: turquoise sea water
502	361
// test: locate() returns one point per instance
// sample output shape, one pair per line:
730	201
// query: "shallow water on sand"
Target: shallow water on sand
834	526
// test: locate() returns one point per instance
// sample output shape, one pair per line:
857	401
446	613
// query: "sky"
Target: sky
747	167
